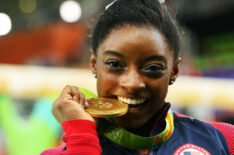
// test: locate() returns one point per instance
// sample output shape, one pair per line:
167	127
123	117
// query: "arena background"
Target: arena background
44	45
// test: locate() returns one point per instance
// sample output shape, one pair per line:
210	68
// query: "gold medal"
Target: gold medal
103	107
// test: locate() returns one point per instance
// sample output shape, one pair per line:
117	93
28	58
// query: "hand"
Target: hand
69	104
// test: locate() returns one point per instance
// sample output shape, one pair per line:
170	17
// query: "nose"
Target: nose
132	81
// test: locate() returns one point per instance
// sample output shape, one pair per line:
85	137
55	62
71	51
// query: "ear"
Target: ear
93	63
175	70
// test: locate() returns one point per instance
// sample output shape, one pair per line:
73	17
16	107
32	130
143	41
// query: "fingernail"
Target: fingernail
86	105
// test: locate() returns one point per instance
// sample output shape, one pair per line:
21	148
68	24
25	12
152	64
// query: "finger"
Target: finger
82	98
78	95
75	94
66	92
87	102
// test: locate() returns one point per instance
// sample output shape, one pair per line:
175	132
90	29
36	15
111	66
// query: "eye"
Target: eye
114	64
153	68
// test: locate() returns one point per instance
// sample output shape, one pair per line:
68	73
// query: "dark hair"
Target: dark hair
138	12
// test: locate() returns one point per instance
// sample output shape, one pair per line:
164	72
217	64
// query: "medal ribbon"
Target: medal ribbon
129	140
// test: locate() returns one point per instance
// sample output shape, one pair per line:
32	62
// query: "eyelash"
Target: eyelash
114	64
153	69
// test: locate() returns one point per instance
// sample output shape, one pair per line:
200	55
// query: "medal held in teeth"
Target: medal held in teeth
103	107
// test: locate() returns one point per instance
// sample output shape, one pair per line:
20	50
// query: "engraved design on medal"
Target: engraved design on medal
105	107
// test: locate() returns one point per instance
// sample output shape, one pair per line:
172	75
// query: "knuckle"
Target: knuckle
58	104
55	103
67	86
77	89
74	87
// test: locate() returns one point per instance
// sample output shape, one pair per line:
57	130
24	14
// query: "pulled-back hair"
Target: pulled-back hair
139	13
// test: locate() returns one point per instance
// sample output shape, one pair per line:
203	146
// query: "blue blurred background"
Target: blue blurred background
45	45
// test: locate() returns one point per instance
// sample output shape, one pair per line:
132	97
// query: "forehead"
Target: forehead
129	37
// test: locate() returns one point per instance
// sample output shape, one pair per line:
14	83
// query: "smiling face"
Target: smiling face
135	65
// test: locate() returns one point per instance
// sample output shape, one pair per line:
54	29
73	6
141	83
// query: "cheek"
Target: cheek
106	83
160	87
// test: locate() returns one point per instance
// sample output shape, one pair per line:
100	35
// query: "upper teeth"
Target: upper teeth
131	101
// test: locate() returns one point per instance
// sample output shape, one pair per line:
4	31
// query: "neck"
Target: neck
154	122
146	128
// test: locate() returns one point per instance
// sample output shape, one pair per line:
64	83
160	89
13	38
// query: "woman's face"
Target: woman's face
135	65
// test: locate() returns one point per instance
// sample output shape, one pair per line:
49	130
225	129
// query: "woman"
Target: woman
135	57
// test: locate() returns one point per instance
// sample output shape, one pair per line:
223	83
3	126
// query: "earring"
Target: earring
171	82
95	76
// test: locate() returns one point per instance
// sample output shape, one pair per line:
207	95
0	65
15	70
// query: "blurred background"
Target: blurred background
45	45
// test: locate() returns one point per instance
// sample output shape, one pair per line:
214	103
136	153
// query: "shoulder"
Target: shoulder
221	132
228	131
186	122
53	151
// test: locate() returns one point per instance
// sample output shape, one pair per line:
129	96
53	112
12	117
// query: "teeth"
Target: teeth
131	101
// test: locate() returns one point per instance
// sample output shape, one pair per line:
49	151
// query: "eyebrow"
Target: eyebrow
113	53
150	58
156	57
